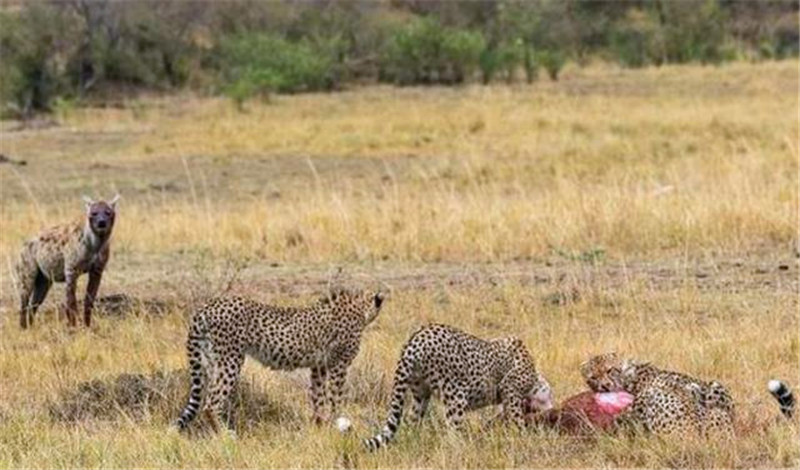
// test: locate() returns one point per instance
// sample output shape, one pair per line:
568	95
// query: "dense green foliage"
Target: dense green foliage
87	49
258	64
424	51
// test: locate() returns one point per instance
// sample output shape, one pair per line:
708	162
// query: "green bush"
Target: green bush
461	52
530	64
412	52
637	40
553	61
260	64
489	63
99	49
671	32
425	52
33	50
505	59
61	49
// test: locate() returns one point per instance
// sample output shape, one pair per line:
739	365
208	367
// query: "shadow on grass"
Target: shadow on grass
122	305
159	397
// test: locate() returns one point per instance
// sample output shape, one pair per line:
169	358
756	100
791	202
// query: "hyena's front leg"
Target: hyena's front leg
71	303
95	274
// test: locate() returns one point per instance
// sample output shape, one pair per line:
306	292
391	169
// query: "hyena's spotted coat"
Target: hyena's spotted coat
62	254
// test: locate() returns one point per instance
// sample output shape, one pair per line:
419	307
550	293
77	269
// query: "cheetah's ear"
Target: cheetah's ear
113	202
696	392
87	201
628	366
379	298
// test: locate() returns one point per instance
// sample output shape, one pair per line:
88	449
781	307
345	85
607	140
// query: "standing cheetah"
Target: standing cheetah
324	337
62	254
469	373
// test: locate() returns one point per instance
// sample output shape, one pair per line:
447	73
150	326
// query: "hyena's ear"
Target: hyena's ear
113	202
88	201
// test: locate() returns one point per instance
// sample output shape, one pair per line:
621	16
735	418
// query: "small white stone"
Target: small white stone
343	424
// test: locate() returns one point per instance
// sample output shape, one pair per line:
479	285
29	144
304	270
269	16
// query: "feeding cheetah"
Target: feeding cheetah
665	402
670	402
324	337
62	254
469	373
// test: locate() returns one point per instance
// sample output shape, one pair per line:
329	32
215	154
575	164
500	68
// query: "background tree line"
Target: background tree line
62	51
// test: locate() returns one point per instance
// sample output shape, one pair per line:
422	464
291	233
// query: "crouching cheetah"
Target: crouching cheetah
665	402
469	373
324	337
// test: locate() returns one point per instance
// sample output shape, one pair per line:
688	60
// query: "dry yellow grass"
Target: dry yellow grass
642	211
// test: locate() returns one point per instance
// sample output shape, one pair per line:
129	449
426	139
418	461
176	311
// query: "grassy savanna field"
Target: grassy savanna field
650	212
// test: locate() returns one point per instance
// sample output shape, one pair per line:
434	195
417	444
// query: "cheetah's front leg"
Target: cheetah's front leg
513	409
319	377
337	375
455	403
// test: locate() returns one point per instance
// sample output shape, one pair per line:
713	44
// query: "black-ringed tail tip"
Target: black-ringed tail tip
784	395
376	442
343	424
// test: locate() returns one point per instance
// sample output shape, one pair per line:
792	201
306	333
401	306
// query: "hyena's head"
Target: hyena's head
100	214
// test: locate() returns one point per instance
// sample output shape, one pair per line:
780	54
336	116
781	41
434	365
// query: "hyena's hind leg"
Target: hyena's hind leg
33	288
41	288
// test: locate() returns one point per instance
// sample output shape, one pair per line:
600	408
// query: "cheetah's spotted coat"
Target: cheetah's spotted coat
468	372
324	337
665	402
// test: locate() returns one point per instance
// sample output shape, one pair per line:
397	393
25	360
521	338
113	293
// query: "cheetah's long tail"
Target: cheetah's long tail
395	409
784	395
197	350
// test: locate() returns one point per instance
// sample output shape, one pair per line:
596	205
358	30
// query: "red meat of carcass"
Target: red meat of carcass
585	412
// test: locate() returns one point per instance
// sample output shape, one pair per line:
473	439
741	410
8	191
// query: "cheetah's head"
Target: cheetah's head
367	303
540	396
100	214
602	373
634	373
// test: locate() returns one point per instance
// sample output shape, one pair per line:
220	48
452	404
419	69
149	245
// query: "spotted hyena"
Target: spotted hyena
62	254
